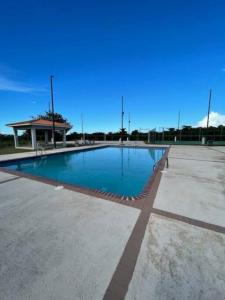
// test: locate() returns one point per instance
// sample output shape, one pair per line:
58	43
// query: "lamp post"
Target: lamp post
207	125
209	107
129	125
82	127
53	116
178	126
122	115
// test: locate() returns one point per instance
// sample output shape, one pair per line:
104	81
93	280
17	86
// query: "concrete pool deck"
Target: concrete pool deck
13	156
60	244
100	144
182	255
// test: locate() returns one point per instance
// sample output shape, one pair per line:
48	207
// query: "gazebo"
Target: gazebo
38	124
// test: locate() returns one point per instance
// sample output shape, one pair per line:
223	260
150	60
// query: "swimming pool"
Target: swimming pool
123	171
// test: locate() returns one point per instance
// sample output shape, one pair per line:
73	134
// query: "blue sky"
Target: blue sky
162	56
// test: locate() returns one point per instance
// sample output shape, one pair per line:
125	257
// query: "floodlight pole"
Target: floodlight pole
122	115
129	125
178	125
53	116
82	126
209	107
49	107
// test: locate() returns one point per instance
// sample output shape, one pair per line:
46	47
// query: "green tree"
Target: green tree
57	117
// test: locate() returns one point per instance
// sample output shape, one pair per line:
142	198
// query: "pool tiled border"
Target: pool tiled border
121	278
136	201
58	151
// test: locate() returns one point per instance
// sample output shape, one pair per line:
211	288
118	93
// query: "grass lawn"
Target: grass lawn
10	150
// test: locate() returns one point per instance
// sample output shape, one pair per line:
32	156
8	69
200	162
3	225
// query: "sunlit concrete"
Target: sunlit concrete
99	144
58	244
12	156
198	152
194	184
179	261
6	176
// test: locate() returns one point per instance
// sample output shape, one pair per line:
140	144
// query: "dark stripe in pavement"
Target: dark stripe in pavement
190	221
10	179
122	276
196	159
216	150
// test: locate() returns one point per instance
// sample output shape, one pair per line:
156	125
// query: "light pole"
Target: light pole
178	126
122	115
82	127
129	126
53	116
209	107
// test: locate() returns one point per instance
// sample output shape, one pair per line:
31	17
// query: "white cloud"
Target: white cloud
14	86
9	81
7	84
215	119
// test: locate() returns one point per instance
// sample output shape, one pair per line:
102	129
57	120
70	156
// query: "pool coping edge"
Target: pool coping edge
135	201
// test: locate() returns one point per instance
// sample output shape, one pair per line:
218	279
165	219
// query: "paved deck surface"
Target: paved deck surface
47	152
60	244
194	185
179	260
70	149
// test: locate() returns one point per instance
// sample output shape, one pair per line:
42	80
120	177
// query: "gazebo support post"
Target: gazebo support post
15	138
64	138
33	138
46	137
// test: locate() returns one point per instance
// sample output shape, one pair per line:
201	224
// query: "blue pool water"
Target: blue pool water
123	171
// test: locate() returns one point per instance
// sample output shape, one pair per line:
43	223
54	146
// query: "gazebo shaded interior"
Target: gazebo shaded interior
37	126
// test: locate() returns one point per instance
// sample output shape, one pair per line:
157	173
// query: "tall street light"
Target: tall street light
53	116
129	125
209	107
122	115
178	126
82	127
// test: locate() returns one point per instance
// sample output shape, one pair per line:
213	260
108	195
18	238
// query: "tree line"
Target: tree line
186	133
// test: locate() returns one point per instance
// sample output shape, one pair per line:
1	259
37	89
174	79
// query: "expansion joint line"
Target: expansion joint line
188	220
10	179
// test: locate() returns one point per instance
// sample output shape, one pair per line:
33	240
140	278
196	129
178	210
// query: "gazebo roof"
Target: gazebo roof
38	123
